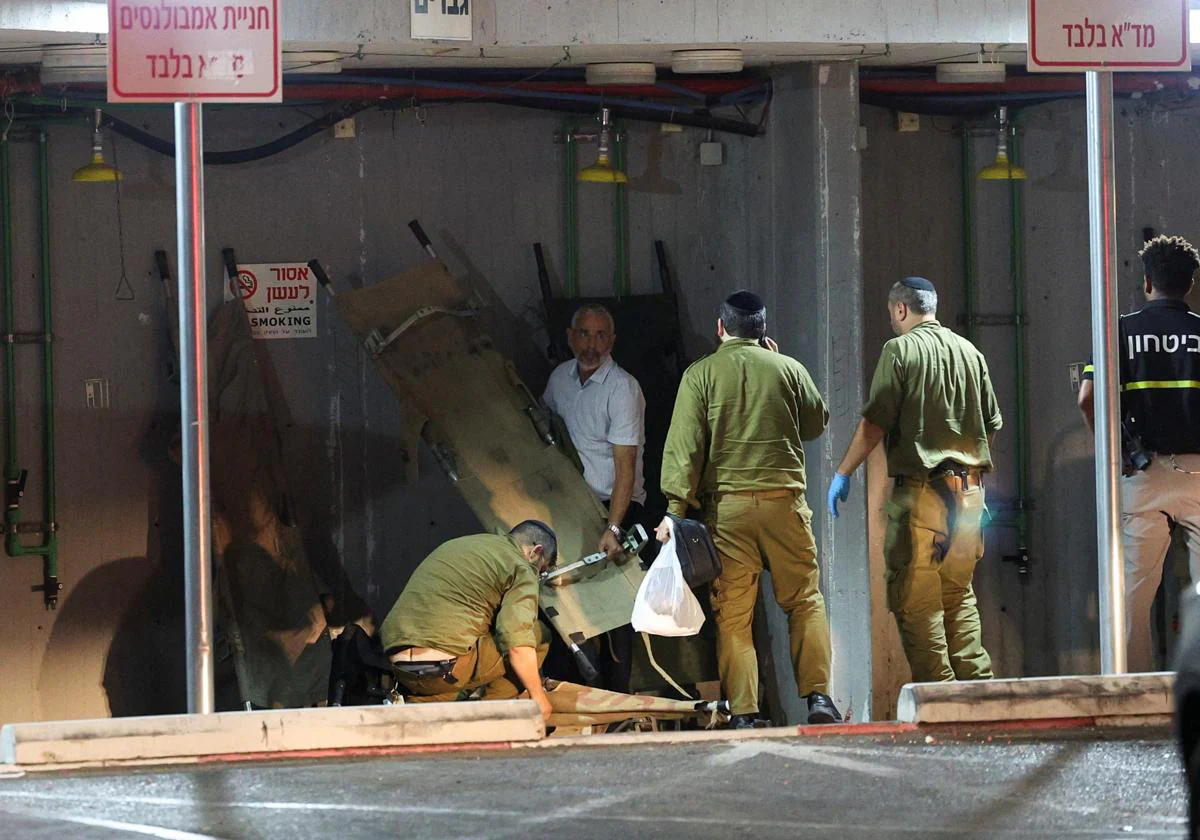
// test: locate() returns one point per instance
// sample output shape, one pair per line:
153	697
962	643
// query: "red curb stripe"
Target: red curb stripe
889	728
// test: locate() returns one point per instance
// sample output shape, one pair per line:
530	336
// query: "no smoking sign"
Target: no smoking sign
280	299
247	285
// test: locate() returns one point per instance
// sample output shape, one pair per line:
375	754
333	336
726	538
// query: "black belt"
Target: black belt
434	670
943	470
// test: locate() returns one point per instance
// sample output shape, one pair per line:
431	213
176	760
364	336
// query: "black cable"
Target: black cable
266	150
630	112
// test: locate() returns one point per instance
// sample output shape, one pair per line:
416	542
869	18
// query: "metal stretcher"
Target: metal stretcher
494	441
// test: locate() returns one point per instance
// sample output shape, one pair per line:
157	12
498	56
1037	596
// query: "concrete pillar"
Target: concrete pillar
816	279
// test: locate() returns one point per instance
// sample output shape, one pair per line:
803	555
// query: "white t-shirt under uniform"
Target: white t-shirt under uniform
607	410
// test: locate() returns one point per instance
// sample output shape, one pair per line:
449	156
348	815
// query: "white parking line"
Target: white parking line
115	825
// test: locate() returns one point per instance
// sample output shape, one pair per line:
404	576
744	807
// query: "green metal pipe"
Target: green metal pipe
621	285
968	233
13	545
1017	272
12	473
570	221
51	539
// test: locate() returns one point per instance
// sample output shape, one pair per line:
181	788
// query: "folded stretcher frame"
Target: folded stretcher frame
487	433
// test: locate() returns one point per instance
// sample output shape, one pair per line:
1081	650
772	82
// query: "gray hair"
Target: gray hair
918	300
592	309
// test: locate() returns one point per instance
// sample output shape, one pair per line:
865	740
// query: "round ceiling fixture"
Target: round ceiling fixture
621	73
707	61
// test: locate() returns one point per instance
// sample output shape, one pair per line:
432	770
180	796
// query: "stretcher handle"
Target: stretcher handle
230	260
543	274
586	669
318	271
164	270
664	268
419	232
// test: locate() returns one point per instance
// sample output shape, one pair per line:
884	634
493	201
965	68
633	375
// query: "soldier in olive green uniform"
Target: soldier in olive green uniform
467	619
734	451
932	403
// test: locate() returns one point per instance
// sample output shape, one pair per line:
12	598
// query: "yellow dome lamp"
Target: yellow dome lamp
1002	169
602	171
97	172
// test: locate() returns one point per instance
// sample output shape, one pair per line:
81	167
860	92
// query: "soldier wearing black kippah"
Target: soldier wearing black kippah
932	404
735	451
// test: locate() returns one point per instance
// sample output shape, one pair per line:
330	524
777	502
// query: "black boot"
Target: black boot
821	709
747	721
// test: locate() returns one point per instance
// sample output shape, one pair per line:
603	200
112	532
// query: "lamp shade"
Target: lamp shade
1002	169
602	172
96	172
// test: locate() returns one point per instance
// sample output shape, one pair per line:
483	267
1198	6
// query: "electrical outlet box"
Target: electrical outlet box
1075	371
345	129
95	393
712	154
906	122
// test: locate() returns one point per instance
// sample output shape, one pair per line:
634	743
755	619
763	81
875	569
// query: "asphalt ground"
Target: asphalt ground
1083	783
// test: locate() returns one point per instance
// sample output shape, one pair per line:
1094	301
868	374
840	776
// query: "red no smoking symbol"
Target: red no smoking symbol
247	285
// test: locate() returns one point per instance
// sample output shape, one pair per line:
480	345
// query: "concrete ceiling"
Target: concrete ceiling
373	34
29	48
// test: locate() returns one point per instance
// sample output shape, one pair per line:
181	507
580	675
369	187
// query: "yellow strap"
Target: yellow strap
1161	383
1089	369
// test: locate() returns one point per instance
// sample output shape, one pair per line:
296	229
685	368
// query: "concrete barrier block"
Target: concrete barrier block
173	737
1038	698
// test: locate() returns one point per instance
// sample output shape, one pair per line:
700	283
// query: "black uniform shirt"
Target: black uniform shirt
1159	352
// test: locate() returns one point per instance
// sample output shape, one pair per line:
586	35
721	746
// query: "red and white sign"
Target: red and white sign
1129	35
280	299
195	51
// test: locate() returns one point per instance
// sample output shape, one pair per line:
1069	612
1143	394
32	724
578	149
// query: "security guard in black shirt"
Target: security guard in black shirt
1159	351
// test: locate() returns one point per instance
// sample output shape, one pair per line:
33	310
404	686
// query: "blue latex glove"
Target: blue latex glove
839	488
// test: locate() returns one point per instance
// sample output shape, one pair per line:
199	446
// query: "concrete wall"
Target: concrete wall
485	182
912	224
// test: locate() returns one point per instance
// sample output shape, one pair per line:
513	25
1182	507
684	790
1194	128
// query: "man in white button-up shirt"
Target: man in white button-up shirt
604	412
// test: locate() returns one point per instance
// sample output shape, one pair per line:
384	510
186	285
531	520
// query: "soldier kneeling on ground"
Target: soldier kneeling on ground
466	623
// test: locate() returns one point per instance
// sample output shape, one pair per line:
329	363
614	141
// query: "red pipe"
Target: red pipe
21	81
353	91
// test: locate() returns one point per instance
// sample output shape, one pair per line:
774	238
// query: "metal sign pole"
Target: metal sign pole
193	393
1102	204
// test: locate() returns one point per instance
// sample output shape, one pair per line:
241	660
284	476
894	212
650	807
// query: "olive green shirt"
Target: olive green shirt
933	398
466	589
740	416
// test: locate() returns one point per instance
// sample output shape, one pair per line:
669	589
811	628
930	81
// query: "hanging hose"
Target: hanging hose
266	150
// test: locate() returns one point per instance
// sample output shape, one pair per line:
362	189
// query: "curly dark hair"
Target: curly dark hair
1170	263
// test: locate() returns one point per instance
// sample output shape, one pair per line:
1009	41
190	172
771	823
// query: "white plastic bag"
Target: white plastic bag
665	605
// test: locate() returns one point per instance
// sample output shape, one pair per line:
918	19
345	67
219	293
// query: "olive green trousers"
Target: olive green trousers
753	532
934	540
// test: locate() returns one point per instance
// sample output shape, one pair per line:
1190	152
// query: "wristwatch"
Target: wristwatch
616	530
